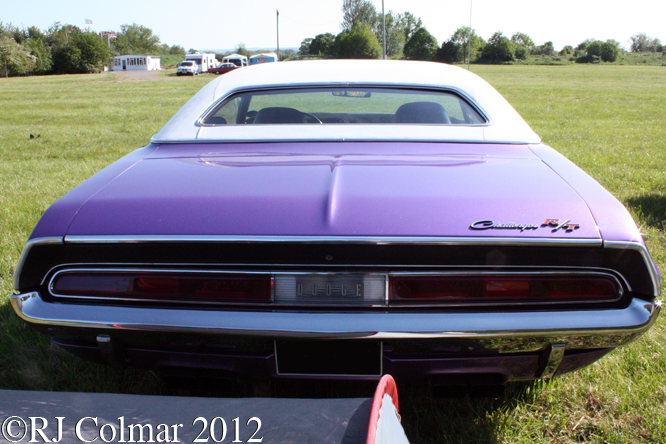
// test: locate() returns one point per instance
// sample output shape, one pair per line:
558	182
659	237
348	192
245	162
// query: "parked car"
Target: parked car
223	68
188	67
341	219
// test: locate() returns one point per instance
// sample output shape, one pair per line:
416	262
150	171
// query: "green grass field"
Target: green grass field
608	119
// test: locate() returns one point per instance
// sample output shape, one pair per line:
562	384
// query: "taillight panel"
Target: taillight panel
319	289
502	289
164	286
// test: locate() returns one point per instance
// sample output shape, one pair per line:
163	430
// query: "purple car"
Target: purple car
341	219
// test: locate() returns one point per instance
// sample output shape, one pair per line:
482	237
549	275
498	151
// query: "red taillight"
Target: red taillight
165	286
451	289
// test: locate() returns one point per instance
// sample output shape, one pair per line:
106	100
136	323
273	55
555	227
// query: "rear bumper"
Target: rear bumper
432	342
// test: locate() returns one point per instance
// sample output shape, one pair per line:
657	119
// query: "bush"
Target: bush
567	50
521	52
499	49
359	43
597	51
450	52
588	59
421	46
609	52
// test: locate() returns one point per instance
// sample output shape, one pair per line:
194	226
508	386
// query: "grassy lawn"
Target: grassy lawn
607	119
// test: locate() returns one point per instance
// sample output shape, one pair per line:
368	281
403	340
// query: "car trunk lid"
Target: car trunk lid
368	191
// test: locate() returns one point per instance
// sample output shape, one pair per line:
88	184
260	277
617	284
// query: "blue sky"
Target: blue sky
210	24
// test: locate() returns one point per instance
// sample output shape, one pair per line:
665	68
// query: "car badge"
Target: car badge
554	224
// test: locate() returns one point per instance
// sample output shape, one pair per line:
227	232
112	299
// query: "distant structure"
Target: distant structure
136	63
204	60
236	59
265	57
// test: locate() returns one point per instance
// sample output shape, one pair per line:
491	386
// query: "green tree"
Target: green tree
597	51
137	39
582	46
359	43
610	50
410	24
357	12
322	45
395	35
450	52
523	45
177	50
521	39
42	54
546	49
462	36
242	50
643	43
499	49
304	49
15	59
421	46
567	51
94	53
66	59
520	52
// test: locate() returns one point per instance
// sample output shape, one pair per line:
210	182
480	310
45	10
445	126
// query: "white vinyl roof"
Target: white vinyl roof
505	126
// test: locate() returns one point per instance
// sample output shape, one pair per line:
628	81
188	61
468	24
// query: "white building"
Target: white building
136	63
205	60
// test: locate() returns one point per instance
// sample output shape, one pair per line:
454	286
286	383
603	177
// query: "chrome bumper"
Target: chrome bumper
503	332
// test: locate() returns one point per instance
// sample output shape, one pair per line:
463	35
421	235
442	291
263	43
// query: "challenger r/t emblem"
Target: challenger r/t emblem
565	225
554	224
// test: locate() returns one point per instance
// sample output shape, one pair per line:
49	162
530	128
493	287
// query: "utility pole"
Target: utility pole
383	33
469	36
277	18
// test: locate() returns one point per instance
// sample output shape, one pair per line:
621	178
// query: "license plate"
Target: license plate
329	358
330	289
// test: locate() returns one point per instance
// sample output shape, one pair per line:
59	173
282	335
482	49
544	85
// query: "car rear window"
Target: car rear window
342	105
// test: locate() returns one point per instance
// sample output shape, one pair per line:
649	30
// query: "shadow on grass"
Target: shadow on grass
651	208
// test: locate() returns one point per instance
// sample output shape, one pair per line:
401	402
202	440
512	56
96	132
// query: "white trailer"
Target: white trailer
204	60
136	63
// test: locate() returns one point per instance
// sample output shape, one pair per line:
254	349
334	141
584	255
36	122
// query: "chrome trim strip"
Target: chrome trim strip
555	356
503	332
386	274
649	262
257	268
26	250
373	240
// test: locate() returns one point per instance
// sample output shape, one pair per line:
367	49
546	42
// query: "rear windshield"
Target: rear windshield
345	106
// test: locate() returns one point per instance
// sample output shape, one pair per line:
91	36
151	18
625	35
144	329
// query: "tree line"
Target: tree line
68	49
407	38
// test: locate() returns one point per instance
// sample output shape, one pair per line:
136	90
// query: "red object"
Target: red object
386	386
166	286
223	69
500	288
